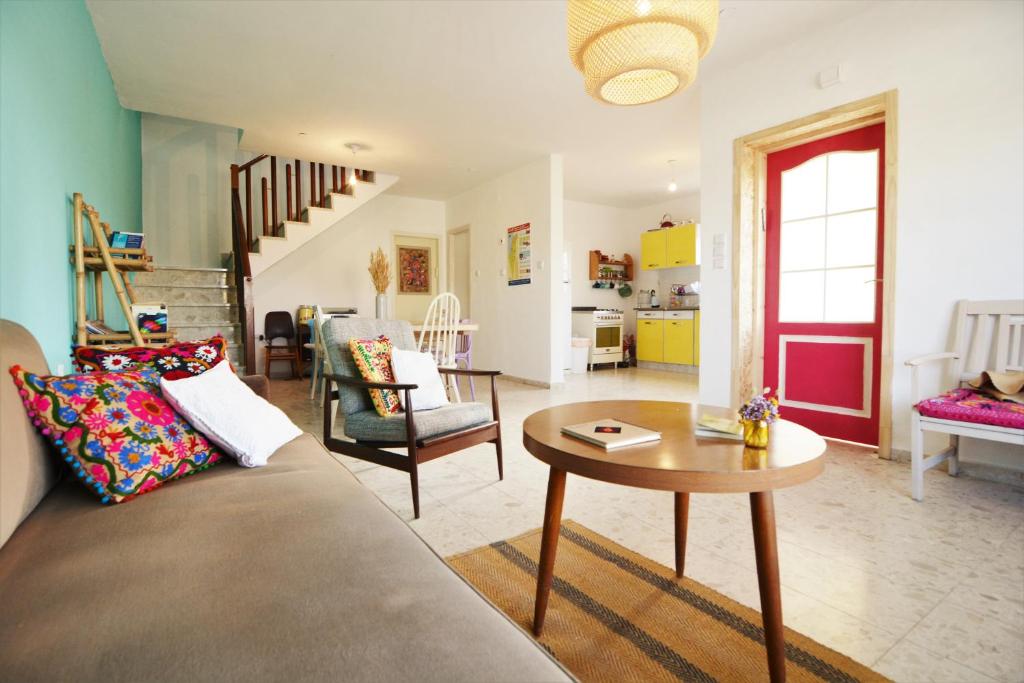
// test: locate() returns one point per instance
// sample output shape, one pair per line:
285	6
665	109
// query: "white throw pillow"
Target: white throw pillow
230	414
413	367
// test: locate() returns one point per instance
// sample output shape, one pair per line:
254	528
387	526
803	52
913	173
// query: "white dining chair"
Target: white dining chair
439	335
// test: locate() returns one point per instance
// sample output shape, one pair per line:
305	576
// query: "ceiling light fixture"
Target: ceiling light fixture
355	147
672	187
639	51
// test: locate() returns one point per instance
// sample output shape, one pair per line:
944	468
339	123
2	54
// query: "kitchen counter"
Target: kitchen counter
665	308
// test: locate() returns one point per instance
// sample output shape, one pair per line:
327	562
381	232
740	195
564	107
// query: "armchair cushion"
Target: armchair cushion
373	359
337	331
966	405
367	425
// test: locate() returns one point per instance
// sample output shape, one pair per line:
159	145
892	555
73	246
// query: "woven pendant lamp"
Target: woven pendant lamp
639	51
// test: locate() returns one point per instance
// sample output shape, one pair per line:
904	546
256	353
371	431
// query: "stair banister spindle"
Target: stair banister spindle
248	206
312	184
323	195
288	192
266	223
334	178
273	193
298	191
344	180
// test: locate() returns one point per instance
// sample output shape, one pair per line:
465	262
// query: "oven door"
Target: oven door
608	338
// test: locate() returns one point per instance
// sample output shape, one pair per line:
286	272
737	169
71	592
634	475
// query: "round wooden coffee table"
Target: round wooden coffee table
684	464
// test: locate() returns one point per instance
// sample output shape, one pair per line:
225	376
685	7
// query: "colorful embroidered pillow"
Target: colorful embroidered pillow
373	359
966	405
114	430
184	359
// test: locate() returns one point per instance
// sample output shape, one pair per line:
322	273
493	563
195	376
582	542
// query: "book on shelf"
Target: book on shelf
126	240
98	327
151	318
710	427
611	434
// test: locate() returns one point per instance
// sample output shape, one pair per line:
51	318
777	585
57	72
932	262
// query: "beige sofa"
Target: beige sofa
292	572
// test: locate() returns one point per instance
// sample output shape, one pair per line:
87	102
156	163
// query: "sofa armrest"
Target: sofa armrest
259	384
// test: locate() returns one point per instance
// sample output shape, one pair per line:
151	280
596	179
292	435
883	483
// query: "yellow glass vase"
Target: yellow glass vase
755	433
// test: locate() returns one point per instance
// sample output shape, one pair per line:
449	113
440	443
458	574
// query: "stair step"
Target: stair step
170	276
191	313
186	294
232	332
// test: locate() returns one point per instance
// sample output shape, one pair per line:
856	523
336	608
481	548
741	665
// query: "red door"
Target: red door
823	287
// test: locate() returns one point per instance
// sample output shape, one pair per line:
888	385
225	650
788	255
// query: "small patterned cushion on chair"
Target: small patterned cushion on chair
966	405
114	430
373	359
184	359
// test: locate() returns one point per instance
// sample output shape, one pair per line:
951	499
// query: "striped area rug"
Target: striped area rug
617	616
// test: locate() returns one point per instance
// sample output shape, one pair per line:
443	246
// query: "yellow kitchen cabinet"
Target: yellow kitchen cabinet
679	341
681	246
653	249
650	340
696	338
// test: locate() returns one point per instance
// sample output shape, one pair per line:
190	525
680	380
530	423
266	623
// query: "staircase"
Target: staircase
201	302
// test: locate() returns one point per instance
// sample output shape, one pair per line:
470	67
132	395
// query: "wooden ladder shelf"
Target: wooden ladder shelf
98	258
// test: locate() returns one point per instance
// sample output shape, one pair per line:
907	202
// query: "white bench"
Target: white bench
989	335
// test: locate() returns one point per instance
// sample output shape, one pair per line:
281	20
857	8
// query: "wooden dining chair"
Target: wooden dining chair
279	325
440	335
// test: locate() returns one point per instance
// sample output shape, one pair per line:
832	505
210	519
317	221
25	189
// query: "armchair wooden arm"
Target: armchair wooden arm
363	384
469	373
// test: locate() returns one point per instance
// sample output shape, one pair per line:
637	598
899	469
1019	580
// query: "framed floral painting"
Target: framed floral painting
414	270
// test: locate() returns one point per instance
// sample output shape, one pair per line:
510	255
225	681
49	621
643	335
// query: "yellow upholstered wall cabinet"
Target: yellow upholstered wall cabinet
653	249
650	340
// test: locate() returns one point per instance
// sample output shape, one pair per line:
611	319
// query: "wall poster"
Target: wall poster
519	255
414	270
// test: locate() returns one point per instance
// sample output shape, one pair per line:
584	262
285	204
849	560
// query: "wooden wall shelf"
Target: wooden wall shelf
623	268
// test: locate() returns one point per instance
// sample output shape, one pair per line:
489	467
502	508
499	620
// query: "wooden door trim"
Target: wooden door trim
748	249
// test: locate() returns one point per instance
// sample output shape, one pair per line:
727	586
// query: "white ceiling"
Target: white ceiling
447	93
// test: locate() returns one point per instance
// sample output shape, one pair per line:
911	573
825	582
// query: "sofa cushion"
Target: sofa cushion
966	405
336	333
293	571
367	425
27	467
114	430
183	359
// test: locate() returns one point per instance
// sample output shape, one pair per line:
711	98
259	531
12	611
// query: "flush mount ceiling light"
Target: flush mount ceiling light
638	51
354	147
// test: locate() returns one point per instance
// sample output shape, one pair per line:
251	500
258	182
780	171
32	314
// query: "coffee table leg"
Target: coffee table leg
762	514
548	545
682	504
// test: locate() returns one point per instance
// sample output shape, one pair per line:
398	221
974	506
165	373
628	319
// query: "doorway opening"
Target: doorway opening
750	264
459	273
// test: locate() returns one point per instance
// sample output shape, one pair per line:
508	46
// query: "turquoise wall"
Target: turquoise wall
62	131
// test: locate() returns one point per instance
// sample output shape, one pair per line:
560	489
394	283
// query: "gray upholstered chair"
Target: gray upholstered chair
425	434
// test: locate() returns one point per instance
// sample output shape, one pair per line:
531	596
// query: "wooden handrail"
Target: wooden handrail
252	162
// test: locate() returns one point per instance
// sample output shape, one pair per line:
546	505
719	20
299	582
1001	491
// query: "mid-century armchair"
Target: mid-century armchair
425	434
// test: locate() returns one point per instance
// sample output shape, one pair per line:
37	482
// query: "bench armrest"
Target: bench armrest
930	358
362	384
258	383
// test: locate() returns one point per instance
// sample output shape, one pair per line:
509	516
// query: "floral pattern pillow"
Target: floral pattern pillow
172	362
373	359
114	430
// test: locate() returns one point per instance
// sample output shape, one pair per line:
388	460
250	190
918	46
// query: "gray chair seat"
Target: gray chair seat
367	425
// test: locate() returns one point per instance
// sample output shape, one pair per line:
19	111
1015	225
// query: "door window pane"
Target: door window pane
852	181
802	296
851	239
803	190
850	295
802	245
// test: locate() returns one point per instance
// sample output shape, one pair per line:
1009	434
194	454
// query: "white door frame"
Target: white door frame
450	261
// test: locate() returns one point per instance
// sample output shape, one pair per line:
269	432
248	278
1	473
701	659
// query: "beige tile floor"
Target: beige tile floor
930	591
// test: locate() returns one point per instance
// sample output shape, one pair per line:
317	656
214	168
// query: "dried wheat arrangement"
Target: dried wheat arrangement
380	271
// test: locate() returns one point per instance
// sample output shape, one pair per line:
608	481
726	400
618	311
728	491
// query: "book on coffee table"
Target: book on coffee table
718	428
611	433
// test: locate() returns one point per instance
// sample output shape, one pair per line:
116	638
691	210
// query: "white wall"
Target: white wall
330	269
186	190
958	67
520	326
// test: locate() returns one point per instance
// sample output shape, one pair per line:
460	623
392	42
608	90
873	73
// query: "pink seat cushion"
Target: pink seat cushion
965	405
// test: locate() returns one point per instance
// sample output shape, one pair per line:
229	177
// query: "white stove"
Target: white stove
603	327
